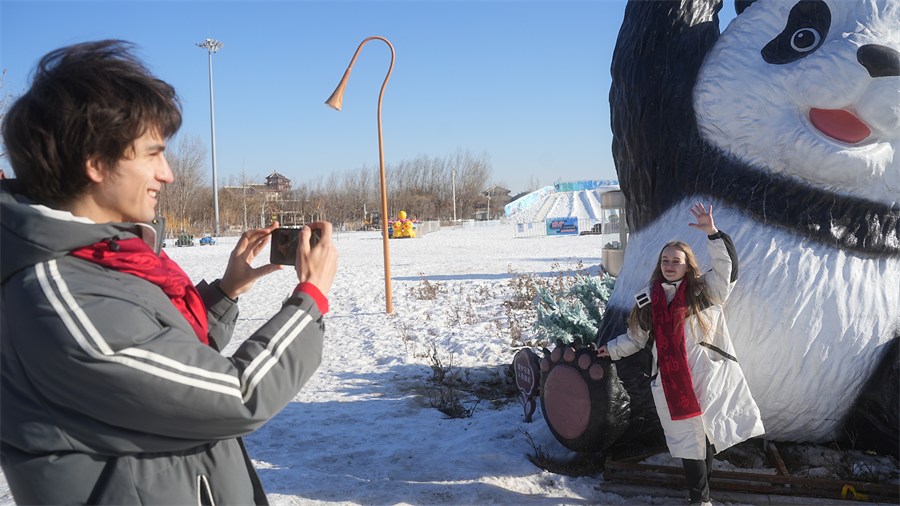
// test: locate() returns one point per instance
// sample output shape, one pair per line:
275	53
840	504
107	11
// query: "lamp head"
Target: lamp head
334	101
211	45
336	98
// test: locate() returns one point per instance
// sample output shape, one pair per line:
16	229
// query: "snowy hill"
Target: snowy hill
582	204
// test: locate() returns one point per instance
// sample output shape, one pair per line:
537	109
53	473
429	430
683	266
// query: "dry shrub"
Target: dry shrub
427	290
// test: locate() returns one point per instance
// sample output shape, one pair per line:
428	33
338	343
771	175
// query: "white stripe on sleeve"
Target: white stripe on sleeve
183	374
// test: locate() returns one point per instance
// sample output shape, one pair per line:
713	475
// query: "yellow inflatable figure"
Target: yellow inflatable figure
402	227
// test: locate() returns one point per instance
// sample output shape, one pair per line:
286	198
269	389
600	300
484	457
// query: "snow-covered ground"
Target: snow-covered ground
362	430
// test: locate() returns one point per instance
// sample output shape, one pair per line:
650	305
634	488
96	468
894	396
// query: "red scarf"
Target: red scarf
133	256
668	329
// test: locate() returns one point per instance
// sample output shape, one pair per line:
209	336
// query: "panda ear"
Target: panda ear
740	5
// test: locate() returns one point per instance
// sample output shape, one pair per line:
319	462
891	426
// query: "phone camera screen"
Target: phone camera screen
284	246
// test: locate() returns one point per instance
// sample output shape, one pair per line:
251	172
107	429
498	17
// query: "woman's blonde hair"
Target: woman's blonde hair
695	293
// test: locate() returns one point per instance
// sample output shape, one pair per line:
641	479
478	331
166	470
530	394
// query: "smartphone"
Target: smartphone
283	249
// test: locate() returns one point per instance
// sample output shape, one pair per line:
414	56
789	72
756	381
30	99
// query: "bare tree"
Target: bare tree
301	196
422	187
186	159
473	173
238	202
247	201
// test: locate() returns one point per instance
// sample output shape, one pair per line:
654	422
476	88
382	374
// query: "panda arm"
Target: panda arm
658	54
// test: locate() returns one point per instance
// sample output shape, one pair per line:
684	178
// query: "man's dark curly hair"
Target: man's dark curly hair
86	101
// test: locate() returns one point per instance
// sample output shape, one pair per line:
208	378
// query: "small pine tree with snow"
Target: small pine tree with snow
573	314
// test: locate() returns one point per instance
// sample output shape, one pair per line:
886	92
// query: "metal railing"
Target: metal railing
427	227
539	228
483	223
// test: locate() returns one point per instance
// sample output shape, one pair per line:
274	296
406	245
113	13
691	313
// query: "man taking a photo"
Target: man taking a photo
113	390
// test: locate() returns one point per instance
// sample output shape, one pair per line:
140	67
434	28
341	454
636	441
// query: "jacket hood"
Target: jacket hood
32	233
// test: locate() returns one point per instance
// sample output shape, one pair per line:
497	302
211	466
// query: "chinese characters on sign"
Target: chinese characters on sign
528	373
562	226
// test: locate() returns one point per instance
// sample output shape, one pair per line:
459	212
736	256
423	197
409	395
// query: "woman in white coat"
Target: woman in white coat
701	396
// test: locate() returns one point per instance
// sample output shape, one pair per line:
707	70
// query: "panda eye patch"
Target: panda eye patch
805	40
805	31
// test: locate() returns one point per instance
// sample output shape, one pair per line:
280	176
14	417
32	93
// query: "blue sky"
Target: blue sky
527	82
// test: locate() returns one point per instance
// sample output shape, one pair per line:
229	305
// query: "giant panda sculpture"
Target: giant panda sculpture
788	124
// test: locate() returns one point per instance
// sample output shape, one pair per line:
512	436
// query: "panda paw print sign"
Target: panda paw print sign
528	380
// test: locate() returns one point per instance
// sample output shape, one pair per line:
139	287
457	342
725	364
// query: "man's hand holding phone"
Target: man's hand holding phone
309	250
240	275
317	263
285	242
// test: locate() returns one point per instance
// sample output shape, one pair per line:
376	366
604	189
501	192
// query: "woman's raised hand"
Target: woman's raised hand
704	219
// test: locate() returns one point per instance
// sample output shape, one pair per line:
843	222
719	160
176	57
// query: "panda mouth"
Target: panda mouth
839	124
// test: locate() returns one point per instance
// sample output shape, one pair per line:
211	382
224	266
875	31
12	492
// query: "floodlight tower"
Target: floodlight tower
213	46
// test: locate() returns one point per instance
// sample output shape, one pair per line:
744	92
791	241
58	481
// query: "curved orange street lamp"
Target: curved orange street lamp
334	101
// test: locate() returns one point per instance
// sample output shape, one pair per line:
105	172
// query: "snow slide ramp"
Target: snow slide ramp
549	202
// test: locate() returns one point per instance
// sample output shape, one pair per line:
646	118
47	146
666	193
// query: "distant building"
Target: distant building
276	187
275	182
495	198
277	194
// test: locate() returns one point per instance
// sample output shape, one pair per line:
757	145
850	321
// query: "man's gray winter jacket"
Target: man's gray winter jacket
107	396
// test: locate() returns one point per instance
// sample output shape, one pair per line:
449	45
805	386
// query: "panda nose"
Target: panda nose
880	61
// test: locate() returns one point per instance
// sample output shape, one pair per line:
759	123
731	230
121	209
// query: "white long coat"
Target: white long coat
729	413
